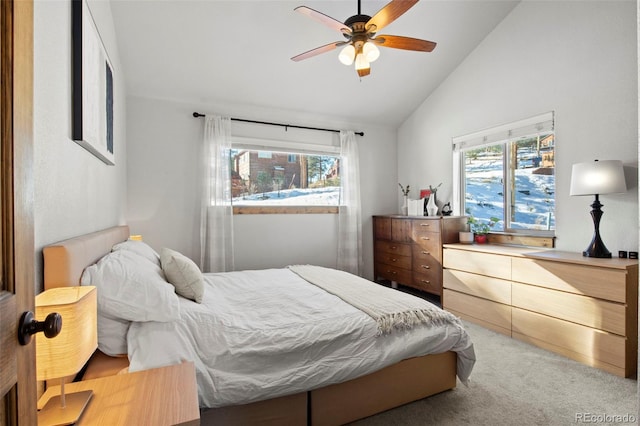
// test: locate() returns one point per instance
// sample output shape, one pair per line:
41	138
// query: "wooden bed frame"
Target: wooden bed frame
398	384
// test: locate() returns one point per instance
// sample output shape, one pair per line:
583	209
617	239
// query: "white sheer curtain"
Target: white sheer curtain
349	220
216	220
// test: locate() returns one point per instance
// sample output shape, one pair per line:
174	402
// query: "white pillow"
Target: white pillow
139	247
183	273
112	335
130	288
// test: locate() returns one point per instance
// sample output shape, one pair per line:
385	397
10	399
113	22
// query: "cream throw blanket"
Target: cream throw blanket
391	309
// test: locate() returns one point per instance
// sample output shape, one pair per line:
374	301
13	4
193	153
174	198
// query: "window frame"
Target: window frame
504	135
290	148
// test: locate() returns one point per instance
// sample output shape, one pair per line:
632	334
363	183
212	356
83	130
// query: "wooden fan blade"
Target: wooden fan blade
392	11
323	19
318	50
406	43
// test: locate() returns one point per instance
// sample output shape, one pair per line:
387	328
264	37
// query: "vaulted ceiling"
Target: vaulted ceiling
238	52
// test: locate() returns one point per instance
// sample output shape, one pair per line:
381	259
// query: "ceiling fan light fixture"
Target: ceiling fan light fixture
361	62
370	51
347	54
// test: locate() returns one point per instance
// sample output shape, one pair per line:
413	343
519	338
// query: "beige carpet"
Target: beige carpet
514	383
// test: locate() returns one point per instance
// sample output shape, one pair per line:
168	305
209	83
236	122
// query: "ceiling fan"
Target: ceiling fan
360	32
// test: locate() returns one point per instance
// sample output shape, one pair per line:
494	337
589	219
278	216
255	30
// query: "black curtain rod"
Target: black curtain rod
198	115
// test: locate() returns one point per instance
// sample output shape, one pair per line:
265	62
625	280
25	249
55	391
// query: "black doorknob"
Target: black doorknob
51	326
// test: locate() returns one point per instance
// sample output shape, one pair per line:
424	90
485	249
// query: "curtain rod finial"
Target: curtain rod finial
197	114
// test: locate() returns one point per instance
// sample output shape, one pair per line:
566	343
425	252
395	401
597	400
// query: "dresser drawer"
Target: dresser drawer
428	281
603	283
583	310
429	243
393	248
393	259
492	265
393	273
484	310
569	339
425	225
482	286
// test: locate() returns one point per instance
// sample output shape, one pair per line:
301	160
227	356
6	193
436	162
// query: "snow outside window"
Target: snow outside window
284	178
508	172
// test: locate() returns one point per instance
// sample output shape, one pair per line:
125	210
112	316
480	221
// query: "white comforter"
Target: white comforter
262	334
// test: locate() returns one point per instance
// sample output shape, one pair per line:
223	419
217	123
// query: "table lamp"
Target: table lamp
65	354
597	178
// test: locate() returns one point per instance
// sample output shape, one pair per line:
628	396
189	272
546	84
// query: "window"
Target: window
270	178
507	172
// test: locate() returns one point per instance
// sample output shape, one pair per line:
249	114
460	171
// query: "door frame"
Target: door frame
18	249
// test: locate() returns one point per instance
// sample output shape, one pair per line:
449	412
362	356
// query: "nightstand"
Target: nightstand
160	396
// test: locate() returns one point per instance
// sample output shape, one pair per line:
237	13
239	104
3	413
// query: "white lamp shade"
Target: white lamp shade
370	51
65	354
598	177
347	54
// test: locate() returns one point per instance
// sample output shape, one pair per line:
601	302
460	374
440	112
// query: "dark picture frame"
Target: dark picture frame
93	86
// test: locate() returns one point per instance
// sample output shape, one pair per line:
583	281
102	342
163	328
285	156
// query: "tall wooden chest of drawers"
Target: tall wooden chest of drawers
583	308
408	249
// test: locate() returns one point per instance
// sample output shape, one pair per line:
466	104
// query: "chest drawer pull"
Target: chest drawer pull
425	224
393	260
426	266
425	252
425	281
425	238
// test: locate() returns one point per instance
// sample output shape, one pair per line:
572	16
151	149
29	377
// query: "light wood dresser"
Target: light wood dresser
580	307
408	249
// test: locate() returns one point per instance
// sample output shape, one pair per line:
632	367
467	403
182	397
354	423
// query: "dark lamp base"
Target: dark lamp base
596	254
597	247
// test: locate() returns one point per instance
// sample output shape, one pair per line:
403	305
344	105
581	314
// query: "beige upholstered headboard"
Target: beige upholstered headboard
64	261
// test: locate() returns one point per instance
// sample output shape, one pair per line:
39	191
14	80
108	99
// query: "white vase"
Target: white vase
466	237
404	211
432	207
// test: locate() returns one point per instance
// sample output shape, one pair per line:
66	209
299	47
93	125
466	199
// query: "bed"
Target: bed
384	369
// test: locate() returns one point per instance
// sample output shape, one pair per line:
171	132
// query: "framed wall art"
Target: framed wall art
93	86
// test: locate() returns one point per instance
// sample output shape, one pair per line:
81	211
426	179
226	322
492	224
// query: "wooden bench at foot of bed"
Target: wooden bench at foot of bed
393	386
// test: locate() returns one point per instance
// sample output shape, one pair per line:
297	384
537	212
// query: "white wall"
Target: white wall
575	58
75	192
163	148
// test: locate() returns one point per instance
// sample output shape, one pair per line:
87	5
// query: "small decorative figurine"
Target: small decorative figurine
447	210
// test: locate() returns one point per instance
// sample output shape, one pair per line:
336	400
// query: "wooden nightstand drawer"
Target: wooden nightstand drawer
488	264
489	288
393	248
583	310
603	283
